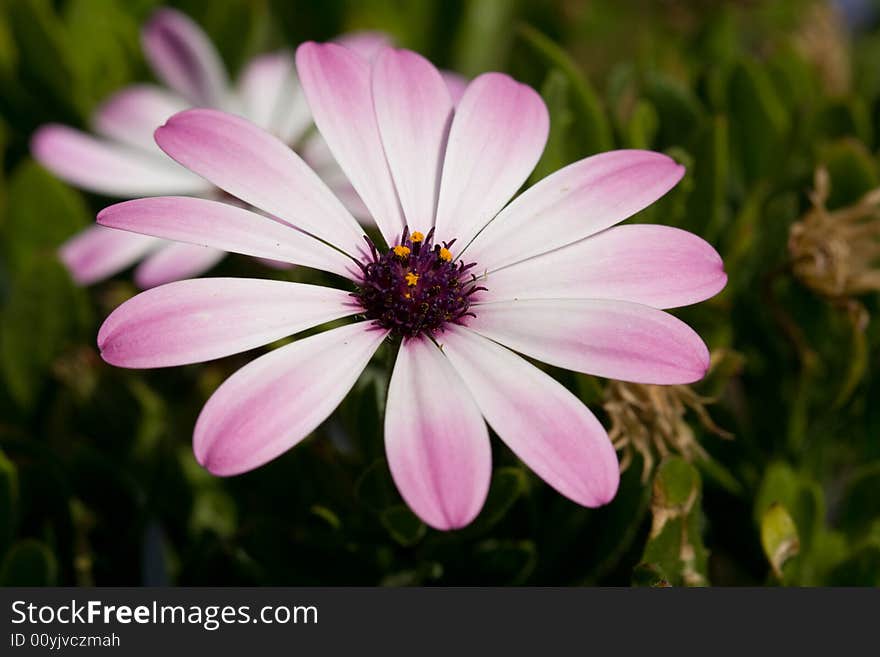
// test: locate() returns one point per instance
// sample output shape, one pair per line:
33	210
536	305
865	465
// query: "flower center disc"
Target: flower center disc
416	286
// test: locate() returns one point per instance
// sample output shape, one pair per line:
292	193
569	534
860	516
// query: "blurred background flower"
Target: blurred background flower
124	161
97	479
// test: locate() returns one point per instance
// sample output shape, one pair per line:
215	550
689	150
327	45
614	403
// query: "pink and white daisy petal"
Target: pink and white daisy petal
350	199
315	152
254	166
545	425
206	318
183	57
223	226
365	43
271	97
132	115
613	339
435	438
336	82
575	202
658	266
110	168
413	111
262	84
497	136
456	84
271	404
275	264
97	253
176	261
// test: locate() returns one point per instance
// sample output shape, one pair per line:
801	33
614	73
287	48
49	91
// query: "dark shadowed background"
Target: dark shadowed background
768	472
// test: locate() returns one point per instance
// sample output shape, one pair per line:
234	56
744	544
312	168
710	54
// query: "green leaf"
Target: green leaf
484	36
8	502
508	484
844	118
558	152
719	38
852	170
829	549
214	510
707	204
742	238
403	525
647	574
779	537
8	51
107	53
715	472
675	547
47	58
861	568
236	27
860	502
42	312
618	524
635	118
592	130
858	356
676	484
508	562
42	213
680	113
795	78
642	125
327	516
759	122
590	390
29	563
804	501
800	496
672	208
374	488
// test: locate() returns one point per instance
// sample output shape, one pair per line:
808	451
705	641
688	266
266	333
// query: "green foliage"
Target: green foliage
403	525
98	484
484	35
852	169
556	91
42	213
759	120
8	502
508	562
29	563
591	133
508	485
43	310
675	553
779	537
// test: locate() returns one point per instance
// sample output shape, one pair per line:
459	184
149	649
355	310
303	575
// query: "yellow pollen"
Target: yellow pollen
445	255
401	251
416	237
411	279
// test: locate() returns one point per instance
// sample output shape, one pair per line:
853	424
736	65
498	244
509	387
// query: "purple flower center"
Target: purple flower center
416	286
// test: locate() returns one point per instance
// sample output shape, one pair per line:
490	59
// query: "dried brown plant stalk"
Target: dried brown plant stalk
837	253
651	420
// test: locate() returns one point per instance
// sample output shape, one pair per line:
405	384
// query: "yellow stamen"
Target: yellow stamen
411	279
416	237
445	255
401	251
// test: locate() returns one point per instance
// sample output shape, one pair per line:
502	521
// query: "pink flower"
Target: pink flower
123	160
469	280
